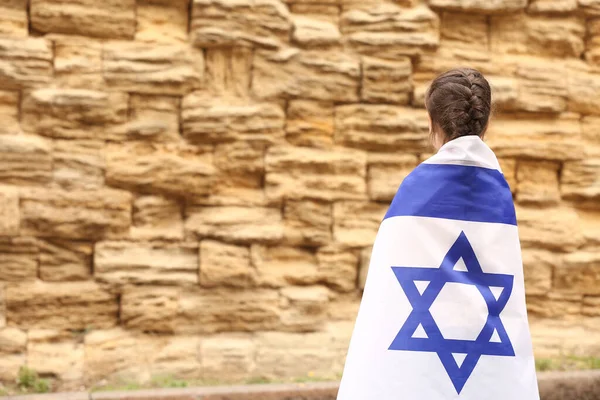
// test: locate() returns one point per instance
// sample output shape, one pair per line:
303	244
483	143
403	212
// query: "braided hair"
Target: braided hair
459	103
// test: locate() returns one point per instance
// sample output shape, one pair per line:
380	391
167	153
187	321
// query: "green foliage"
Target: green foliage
29	381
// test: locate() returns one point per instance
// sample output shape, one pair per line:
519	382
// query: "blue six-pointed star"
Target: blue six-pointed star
421	315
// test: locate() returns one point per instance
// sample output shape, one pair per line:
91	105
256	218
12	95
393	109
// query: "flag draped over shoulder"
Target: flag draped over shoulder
443	313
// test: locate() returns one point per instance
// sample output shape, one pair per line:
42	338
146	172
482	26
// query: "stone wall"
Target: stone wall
191	189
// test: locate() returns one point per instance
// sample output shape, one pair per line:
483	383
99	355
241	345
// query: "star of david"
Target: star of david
483	345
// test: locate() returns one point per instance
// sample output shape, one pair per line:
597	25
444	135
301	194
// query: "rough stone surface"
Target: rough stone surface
191	188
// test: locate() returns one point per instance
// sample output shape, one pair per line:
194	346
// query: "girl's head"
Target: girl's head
459	104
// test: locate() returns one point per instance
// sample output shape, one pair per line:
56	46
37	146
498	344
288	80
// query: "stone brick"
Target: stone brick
9	212
78	62
465	31
307	223
540	88
509	170
25	160
25	62
538	182
152	68
310	123
582	87
75	214
149	308
591	306
12	341
580	273
480	6
123	262
552	6
302	173
234	353
386	173
107	19
243	162
9	112
555	305
236	224
2	308
161	21
229	70
304	309
555	228
356	223
78	164
386	81
324	10
589	220
580	181
19	259
225	265
590	7
218	23
173	356
207	119
62	260
14	21
156	217
381	127
310	74
281	266
309	31
387	30
153	118
74	113
338	268
173	170
51	353
72	305
528	138
538	268
365	259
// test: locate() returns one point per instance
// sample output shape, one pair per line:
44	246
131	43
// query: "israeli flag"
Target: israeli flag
443	312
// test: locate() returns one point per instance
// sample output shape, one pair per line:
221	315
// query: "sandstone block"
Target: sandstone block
233	353
237	310
381	127
72	305
590	7
153	118
78	62
75	214
387	30
338	268
356	223
552	6
315	32
323	10
51	354
236	224
107	19
304	309
528	138
541	88
9	212
79	164
149	308
538	267
225	265
229	70
12	341
173	170
62	260
123	262
282	266
538	182
591	306
465	31
481	6
538	35
171	69
74	113
177	356
241	159
19	259
206	119
386	173
10	365
156	217
307	223
14	18
509	170
303	173
589	220
161	21
580	273
9	112
25	62
580	181
222	23
555	305
25	160
386	81
2	308
309	123
554	228
344	307
582	88
310	74
365	259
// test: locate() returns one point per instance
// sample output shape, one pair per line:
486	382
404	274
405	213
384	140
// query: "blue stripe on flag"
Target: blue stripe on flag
456	192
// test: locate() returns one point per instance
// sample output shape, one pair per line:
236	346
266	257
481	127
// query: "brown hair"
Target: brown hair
459	102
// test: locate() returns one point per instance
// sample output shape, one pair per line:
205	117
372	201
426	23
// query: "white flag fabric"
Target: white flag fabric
443	312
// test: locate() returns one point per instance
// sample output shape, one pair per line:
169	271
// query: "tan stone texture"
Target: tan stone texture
190	189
